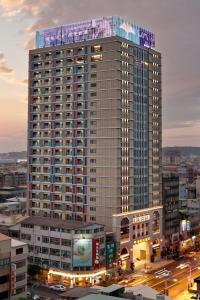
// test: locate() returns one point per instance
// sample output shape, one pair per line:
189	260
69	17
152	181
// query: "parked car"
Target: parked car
58	287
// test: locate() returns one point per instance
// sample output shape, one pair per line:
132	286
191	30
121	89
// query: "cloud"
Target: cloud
175	23
3	66
8	74
28	7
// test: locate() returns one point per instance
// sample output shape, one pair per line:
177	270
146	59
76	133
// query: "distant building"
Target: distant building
15	179
10	192
171	215
170	157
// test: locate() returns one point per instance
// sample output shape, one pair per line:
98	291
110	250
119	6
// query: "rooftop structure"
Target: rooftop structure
95	29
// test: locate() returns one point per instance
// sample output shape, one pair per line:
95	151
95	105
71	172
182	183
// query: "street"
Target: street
174	278
46	292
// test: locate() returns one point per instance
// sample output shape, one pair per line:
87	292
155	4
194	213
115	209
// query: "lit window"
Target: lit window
97	57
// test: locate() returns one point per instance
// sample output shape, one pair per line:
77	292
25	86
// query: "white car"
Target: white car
58	287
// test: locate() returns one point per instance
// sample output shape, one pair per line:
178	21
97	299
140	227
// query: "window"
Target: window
93	199
92	189
96	57
93	150
93	122
20	277
96	48
92	208
65	242
55	241
93	170
93	66
45	239
93	84
55	252
92	218
93	94
93	75
93	131
4	279
93	160
92	179
93	142
20	264
19	251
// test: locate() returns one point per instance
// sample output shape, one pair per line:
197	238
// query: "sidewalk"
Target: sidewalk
184	296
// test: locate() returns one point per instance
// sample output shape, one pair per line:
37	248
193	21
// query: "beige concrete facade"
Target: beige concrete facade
106	107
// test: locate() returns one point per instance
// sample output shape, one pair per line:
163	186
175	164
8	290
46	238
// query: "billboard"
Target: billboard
126	29
82	253
95	29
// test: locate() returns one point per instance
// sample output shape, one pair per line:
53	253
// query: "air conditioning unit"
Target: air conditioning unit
160	297
139	297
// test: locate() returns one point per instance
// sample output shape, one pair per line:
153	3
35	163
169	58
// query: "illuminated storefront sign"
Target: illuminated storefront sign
141	218
82	253
111	253
96	253
95	29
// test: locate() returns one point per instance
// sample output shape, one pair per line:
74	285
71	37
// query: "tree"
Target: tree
34	270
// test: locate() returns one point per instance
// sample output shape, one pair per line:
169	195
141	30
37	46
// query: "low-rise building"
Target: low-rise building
13	268
19	254
70	251
5	262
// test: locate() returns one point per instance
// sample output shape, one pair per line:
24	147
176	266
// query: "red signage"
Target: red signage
96	253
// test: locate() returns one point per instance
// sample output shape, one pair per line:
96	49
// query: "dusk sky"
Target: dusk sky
176	24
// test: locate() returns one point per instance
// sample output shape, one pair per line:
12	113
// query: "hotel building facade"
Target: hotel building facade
94	129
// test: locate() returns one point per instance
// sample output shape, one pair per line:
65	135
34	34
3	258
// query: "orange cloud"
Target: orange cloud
3	67
13	7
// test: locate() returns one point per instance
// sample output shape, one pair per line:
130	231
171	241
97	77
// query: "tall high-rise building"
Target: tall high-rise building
94	128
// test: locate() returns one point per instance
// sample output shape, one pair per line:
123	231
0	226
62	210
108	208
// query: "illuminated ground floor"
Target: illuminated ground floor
139	234
140	254
83	278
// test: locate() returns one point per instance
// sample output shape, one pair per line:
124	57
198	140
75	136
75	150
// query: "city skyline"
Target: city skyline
171	23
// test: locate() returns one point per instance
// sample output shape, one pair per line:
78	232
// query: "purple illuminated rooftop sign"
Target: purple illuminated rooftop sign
95	29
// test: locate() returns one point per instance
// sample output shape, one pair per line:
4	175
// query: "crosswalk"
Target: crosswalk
162	273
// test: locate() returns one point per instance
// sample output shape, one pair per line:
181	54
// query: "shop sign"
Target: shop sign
141	218
111	253
96	253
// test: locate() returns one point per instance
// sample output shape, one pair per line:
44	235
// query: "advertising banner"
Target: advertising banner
95	29
82	253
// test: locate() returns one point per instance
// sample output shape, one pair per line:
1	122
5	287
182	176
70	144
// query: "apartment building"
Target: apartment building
13	268
94	124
